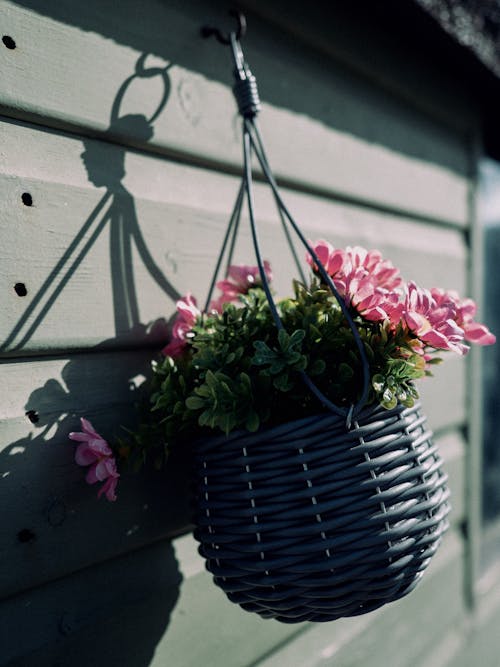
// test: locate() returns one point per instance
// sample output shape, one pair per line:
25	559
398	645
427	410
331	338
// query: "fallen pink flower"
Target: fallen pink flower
95	452
187	314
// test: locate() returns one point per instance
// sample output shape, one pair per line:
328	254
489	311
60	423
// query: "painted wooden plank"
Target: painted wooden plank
149	607
114	613
139	231
141	617
349	140
443	397
224	629
452	447
477	640
480	641
448	650
396	634
54	503
46	502
150	600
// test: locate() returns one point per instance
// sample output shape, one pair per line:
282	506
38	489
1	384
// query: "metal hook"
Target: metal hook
209	31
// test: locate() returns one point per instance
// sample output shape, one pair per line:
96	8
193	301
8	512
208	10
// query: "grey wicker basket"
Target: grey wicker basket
311	521
328	516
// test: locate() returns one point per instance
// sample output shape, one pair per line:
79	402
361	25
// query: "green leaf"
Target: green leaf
206	419
210	379
253	422
317	368
314	334
283	339
345	372
369	353
389	404
283	382
263	354
402	396
388	396
195	403
300	364
297	337
378	383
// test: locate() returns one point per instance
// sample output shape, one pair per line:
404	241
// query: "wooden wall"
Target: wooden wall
125	214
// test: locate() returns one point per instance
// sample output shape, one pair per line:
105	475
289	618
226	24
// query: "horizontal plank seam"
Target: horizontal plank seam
189	159
168	537
55	353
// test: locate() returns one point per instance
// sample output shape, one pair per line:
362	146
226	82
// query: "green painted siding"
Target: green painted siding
363	159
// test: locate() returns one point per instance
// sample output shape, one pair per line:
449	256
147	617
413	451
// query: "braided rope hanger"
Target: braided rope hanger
247	97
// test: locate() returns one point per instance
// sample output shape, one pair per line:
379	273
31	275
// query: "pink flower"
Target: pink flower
362	292
240	278
187	314
474	332
374	288
434	323
332	258
342	264
384	273
367	282
95	452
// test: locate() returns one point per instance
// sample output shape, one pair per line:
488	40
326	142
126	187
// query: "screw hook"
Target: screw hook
209	31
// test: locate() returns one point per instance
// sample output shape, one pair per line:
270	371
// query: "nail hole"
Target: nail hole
33	416
20	289
26	535
27	199
8	42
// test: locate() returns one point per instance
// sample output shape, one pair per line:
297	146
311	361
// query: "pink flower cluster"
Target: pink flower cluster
95	452
240	278
187	314
373	287
367	282
465	311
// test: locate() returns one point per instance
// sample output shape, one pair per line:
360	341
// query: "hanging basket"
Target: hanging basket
328	516
311	521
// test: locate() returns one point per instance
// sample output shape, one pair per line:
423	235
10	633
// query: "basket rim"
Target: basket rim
210	442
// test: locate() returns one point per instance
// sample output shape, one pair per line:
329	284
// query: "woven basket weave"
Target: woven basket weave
310	522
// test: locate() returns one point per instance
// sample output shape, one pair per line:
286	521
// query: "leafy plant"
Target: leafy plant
234	368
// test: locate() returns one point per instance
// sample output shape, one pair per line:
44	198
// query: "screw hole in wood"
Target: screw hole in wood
33	416
20	289
27	199
8	42
26	535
